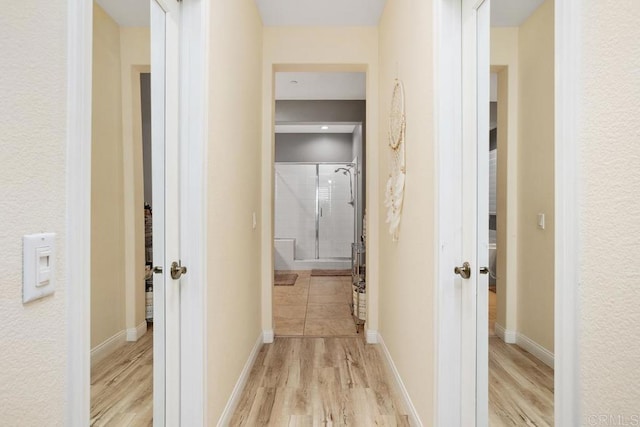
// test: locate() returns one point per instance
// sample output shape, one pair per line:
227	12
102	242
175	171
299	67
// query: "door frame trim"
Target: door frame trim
567	242
78	185
568	64
78	217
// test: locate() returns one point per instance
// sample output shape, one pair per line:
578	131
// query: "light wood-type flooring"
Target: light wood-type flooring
314	306
302	381
319	382
520	386
122	386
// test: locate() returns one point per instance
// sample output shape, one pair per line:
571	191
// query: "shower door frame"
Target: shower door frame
317	213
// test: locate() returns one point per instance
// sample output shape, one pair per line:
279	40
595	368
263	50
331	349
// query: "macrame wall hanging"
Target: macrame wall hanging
395	184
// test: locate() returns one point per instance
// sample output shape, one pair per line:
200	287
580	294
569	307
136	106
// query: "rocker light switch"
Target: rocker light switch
38	255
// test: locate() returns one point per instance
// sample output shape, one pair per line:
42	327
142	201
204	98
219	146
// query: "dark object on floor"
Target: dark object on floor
330	272
492	288
284	279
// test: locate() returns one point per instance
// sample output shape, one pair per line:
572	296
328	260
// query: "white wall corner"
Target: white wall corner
134	334
414	418
541	353
267	336
507	335
372	336
105	348
234	399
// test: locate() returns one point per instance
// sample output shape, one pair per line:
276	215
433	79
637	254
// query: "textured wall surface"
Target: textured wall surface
536	177
33	339
107	201
406	290
610	210
233	257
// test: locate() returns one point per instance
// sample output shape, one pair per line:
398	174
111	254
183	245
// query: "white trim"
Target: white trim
372	336
268	336
108	346
541	353
414	418
236	394
506	335
567	215
134	334
78	193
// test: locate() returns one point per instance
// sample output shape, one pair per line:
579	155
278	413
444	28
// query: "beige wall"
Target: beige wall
406	287
135	57
536	176
107	201
313	49
33	336
233	180
504	61
609	179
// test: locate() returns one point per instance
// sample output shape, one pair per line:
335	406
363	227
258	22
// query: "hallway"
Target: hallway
320	381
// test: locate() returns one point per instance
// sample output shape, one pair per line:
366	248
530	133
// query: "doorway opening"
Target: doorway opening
319	198
521	217
121	217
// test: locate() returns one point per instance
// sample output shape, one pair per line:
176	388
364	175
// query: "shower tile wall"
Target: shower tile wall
336	222
295	207
295	210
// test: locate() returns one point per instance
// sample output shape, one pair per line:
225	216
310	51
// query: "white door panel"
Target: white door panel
475	223
166	220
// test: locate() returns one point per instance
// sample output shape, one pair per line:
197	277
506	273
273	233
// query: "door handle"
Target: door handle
177	270
464	271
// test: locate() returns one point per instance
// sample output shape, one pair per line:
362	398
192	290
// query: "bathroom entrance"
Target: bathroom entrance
318	194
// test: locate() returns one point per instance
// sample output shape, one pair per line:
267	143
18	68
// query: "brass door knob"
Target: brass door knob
464	271
177	270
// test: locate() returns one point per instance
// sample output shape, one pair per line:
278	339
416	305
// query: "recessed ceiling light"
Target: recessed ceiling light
324	127
294	82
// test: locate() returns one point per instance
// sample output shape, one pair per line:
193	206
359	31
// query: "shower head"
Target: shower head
344	171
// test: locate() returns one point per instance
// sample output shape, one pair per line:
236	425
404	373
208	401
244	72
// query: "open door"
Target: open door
166	224
475	207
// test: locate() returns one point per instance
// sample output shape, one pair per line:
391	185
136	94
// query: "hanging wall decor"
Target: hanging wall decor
395	184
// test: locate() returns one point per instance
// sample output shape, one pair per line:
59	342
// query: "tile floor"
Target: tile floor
314	306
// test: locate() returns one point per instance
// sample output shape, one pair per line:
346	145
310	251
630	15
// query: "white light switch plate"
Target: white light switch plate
541	221
38	258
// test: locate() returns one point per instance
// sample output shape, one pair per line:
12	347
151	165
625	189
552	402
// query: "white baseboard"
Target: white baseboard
107	347
267	336
234	399
134	334
372	336
541	353
506	335
414	419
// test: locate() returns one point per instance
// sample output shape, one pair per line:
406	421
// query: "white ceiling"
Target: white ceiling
316	86
315	128
320	12
512	13
504	13
127	13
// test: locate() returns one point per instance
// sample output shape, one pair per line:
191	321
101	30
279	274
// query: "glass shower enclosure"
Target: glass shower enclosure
316	205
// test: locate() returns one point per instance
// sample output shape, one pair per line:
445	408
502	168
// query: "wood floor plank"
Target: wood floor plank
334	386
122	386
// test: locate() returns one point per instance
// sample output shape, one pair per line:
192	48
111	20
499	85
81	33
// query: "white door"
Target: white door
475	210
166	214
